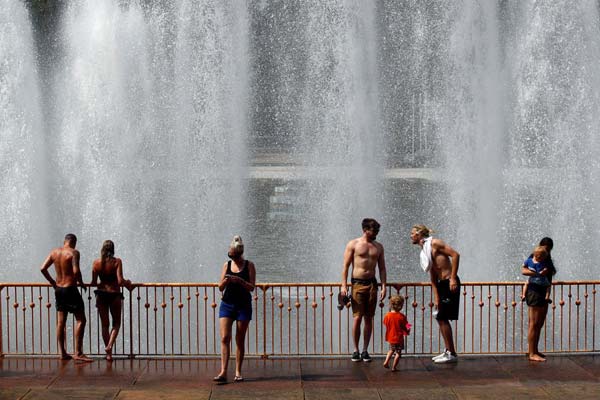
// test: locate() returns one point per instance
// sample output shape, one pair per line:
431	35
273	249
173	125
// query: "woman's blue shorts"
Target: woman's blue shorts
236	312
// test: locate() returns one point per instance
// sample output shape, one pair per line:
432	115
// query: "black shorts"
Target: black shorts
449	303
68	299
104	298
536	295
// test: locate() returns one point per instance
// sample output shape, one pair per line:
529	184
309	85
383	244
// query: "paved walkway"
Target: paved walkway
483	377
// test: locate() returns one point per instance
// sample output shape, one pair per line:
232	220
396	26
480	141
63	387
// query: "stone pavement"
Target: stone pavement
474	377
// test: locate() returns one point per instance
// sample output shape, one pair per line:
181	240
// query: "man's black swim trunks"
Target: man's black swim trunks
448	306
68	299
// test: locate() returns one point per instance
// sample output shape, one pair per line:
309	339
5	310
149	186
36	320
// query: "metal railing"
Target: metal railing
181	319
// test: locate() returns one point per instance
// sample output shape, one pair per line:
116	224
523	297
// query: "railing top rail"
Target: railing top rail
304	284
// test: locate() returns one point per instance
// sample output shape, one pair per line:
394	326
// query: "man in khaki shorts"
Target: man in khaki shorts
364	254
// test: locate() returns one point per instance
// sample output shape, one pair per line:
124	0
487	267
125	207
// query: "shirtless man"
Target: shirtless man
445	285
68	298
364	253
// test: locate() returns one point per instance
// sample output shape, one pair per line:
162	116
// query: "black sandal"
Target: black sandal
238	378
220	378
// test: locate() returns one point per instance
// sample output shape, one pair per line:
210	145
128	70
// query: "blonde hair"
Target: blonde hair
237	245
397	302
423	230
107	251
540	252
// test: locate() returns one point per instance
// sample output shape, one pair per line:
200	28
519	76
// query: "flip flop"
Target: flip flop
220	379
238	379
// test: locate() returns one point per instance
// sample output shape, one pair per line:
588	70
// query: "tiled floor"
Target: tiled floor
503	377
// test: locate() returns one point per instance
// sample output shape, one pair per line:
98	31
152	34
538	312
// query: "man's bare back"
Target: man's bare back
66	264
67	295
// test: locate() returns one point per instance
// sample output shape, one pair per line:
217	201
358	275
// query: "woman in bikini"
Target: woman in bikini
238	278
109	298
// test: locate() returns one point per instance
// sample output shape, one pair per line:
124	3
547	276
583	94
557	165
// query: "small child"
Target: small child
538	262
396	328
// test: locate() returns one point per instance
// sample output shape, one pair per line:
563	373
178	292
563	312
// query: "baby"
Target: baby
537	263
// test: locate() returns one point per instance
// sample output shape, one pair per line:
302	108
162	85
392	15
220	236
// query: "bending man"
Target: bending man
441	261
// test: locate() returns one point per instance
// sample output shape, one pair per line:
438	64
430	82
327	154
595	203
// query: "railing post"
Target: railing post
131	355
1	327
264	353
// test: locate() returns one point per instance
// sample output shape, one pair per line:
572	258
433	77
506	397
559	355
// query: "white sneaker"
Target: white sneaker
439	355
446	359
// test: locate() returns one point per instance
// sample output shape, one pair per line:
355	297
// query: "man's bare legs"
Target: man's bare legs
240	351
367	332
446	331
356	331
226	327
60	334
79	332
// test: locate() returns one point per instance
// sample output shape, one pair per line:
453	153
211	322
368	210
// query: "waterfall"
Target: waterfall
146	123
23	221
150	143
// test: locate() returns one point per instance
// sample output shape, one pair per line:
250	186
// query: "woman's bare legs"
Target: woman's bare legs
537	316
225	328
103	310
240	344
115	312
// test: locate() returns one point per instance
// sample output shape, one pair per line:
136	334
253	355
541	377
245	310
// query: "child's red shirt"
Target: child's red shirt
396	327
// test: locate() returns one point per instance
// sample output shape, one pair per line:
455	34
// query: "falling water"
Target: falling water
146	144
152	113
23	227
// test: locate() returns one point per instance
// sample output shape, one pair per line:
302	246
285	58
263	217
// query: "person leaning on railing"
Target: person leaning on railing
68	298
109	298
238	279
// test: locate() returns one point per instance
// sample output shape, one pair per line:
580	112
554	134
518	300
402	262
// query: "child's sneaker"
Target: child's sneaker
355	356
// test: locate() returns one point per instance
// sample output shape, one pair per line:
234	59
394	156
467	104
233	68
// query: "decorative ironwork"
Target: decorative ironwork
181	319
